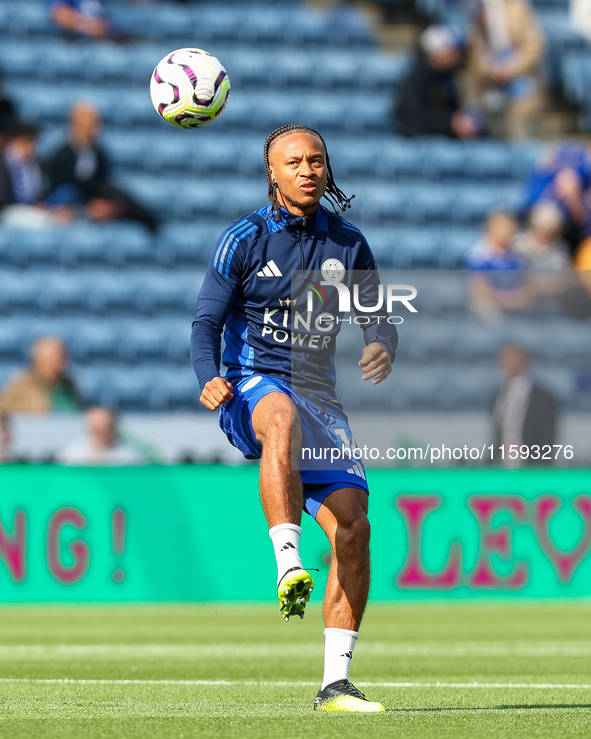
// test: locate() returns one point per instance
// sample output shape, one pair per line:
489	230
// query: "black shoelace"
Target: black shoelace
350	689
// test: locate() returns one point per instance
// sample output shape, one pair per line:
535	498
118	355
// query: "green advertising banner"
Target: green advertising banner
184	533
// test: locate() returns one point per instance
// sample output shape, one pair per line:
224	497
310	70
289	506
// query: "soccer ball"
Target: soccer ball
189	88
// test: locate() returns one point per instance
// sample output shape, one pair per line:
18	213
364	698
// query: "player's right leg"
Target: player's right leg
276	424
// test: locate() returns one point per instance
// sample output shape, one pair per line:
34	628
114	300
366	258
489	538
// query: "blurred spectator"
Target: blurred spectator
20	173
542	246
580	16
7	112
80	17
563	176
79	173
21	184
429	103
582	263
524	412
506	49
498	281
45	385
583	256
102	445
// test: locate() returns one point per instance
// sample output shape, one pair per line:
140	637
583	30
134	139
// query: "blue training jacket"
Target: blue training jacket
262	278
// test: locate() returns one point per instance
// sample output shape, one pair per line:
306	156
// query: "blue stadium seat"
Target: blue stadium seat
62	291
12	346
427	339
561	381
419	388
377	203
82	244
94	340
429	203
473	202
187	243
127	149
129	389
455	245
107	291
161	291
178	343
400	157
488	159
443	158
28	19
473	339
18	58
442	292
353	158
174	389
143	340
20	290
26	247
470	386
129	243
248	66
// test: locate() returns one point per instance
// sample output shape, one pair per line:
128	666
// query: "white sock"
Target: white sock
286	543
338	651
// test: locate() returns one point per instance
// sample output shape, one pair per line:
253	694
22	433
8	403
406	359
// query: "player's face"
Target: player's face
298	166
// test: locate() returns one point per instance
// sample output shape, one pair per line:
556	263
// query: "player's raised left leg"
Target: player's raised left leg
277	426
343	517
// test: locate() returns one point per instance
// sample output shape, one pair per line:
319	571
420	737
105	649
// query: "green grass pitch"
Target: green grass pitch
454	670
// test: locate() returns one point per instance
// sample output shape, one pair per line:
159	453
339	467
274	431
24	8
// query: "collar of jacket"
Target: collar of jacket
316	220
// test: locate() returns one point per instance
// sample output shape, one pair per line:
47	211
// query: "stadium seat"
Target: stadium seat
470	386
399	157
83	244
18	58
33	247
143	340
62	291
429	203
182	243
173	292
175	389
89	341
20	290
455	245
12	348
475	340
427	338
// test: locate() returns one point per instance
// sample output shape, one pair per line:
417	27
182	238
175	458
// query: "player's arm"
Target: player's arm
381	337
217	296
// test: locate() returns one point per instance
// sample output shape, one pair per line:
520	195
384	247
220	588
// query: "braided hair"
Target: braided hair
336	197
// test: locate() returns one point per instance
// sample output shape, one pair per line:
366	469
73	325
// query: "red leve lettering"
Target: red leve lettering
497	541
565	563
13	548
414	575
78	549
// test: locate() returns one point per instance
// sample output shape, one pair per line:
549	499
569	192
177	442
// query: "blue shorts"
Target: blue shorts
322	471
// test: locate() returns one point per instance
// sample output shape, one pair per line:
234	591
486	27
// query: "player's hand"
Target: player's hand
375	362
216	392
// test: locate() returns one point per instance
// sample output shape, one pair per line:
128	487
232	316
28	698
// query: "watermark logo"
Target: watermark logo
393	294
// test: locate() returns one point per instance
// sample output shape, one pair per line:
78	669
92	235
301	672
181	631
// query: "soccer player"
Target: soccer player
270	283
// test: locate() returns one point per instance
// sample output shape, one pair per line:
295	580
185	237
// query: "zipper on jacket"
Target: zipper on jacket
304	221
